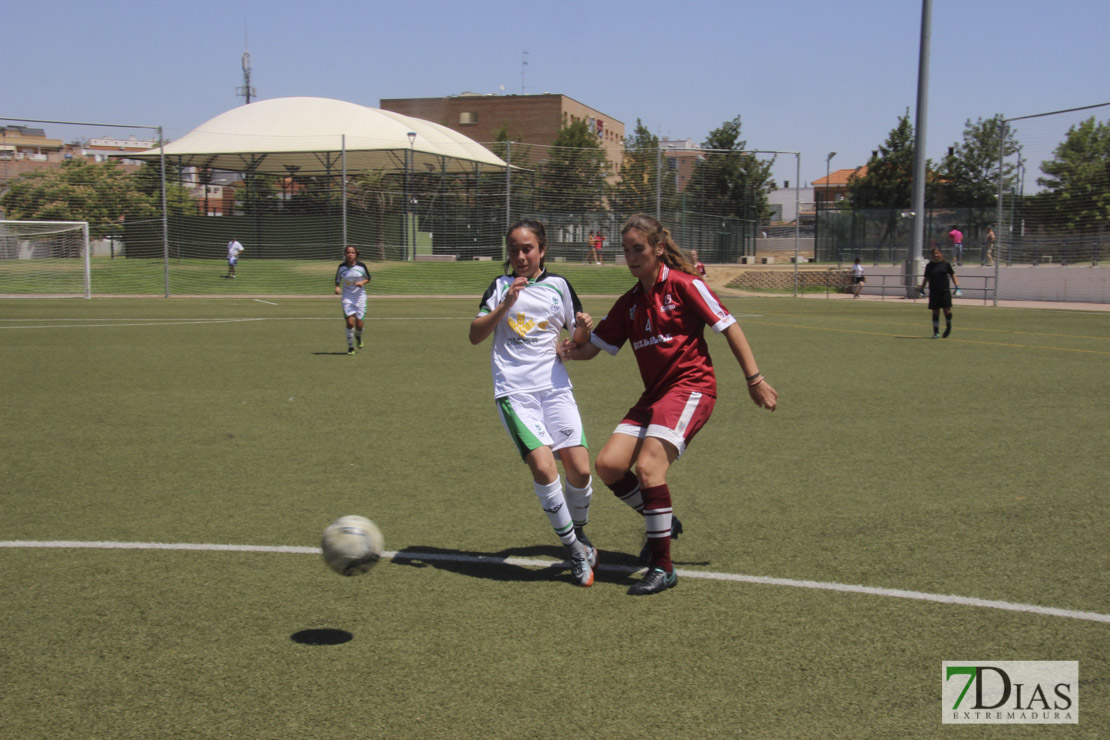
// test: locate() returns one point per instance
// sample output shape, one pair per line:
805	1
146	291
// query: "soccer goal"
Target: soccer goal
45	259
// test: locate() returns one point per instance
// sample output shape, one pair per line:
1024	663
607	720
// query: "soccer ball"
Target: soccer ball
352	545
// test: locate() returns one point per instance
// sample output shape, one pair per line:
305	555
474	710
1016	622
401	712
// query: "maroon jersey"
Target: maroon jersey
666	326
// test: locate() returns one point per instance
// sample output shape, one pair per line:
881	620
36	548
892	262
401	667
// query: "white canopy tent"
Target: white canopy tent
310	136
321	134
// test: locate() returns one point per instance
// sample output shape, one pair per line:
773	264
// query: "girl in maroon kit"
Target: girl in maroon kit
664	317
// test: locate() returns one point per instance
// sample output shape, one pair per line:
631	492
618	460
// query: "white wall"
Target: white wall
1024	283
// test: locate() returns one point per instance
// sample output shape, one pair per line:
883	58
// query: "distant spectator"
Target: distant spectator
234	248
988	255
956	239
857	278
698	264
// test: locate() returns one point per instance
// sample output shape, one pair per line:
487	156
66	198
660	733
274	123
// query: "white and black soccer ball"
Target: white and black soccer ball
352	545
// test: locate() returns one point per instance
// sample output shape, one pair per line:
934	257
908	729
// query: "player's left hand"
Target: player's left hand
764	396
584	319
566	346
959	293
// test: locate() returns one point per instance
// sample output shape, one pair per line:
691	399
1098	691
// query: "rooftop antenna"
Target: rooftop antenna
523	64
246	91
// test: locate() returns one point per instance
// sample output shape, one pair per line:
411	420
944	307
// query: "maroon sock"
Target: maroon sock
627	489
657	524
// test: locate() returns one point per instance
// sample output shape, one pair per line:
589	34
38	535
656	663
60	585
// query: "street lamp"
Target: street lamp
411	240
828	160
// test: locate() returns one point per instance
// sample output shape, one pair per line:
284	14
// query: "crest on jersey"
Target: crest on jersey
521	324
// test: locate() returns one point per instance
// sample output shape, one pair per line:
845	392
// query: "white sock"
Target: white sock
579	501
555	506
350	337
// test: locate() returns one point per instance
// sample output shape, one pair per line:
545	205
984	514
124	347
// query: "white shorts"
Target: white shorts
232	261
355	306
542	419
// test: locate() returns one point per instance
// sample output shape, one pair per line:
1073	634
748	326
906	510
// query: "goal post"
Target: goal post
45	259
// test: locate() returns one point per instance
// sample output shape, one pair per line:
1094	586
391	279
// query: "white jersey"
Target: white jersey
524	356
348	276
233	250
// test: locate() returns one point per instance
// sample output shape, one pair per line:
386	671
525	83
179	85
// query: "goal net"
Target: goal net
45	259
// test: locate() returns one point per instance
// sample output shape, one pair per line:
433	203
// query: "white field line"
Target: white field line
259	300
100	323
1046	611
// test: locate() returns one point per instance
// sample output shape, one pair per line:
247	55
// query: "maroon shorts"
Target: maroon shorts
675	418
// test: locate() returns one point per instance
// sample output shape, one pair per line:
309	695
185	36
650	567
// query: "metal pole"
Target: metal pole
165	217
998	207
659	183
508	183
343	144
919	172
797	214
408	205
88	261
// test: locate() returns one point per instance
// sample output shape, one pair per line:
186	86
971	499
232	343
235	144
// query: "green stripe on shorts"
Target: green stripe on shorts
522	436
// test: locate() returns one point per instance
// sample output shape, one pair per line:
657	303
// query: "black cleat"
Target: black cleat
947	331
655	581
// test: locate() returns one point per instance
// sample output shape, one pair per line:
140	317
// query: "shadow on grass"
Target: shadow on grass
612	567
321	637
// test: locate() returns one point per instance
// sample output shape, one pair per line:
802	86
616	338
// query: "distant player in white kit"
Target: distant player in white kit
350	282
526	312
234	248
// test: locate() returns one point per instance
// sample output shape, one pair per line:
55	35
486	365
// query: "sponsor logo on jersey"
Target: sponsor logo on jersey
521	324
668	303
641	343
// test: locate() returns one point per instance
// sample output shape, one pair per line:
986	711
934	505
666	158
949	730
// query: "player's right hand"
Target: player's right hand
514	290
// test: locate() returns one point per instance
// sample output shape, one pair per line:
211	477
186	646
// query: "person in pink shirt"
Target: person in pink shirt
663	317
956	239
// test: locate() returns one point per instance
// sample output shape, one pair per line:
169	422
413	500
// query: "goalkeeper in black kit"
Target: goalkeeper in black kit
937	272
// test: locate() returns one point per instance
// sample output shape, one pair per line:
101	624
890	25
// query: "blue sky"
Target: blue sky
804	75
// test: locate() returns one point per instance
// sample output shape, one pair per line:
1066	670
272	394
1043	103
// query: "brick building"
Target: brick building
828	191
531	119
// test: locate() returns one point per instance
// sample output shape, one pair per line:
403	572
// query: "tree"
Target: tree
639	185
888	181
508	146
148	180
969	174
98	192
730	181
1077	178
572	180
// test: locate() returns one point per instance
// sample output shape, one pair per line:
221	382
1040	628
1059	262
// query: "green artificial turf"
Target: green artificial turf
972	466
